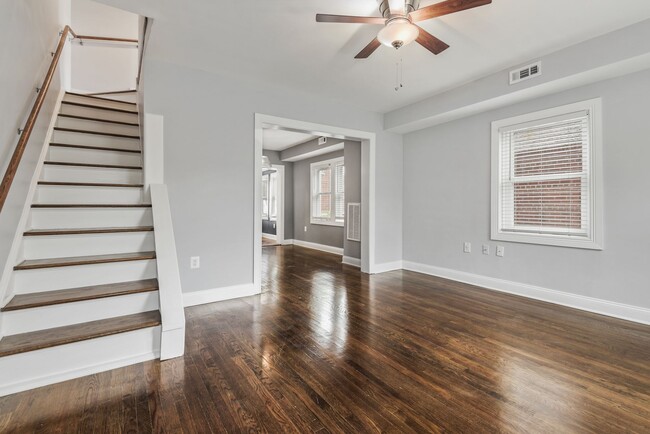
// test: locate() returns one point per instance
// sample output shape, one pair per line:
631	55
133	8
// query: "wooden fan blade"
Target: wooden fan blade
397	7
327	18
445	8
370	48
430	42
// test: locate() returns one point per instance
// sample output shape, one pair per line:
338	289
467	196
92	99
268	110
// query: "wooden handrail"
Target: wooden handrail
104	38
12	168
10	173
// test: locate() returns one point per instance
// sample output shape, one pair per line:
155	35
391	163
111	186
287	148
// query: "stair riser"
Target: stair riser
51	365
90	174
99	102
42	318
104	127
49	279
126	97
60	246
91	156
95	140
98	113
44	218
88	195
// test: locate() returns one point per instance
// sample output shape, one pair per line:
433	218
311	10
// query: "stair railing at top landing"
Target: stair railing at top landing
26	131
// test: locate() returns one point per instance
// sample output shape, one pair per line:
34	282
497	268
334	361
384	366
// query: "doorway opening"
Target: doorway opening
314	188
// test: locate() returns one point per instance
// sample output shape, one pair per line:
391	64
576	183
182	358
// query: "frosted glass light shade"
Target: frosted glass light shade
398	32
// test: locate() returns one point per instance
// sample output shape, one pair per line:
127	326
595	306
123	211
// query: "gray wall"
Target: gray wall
447	200
274	158
320	234
352	152
31	31
209	162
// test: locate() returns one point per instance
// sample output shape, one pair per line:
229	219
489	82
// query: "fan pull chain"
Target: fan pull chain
399	75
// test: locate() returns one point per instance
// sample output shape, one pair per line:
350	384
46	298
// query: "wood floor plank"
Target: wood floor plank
325	348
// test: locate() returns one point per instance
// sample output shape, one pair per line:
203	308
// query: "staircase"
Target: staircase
84	296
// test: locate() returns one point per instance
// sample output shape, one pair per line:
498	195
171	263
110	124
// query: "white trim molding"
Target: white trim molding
195	298
386	267
589	304
349	260
321	247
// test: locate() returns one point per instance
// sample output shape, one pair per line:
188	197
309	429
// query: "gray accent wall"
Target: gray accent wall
274	158
447	200
320	234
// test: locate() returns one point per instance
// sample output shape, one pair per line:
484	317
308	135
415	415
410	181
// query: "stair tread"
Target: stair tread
109	121
99	107
88	184
95	148
99	98
41	339
91	205
82	231
48	298
100	133
103	166
32	264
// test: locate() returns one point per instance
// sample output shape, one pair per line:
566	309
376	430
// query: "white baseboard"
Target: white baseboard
321	247
287	243
590	304
349	260
386	266
270	236
195	298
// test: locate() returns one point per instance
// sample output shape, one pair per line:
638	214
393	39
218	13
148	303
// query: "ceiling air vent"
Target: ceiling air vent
526	72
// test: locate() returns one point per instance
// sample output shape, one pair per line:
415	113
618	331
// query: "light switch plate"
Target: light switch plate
195	262
500	251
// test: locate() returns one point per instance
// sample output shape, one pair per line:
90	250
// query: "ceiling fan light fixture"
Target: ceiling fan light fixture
399	31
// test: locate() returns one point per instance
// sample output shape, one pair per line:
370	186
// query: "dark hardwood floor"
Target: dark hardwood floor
327	349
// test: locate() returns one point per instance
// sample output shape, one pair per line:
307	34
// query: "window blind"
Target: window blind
544	176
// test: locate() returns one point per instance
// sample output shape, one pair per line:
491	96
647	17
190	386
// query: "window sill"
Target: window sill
327	224
548	240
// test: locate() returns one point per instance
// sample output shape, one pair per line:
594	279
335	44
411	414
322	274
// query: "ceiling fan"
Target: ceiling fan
398	16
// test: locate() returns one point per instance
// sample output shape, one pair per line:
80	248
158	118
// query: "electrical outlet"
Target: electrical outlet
467	247
486	249
195	262
500	251
305	228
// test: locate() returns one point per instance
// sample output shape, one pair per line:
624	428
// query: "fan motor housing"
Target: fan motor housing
409	6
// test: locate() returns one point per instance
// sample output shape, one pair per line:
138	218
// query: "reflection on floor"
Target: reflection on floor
326	348
268	242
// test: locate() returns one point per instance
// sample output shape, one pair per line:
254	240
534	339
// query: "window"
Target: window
270	196
328	192
546	177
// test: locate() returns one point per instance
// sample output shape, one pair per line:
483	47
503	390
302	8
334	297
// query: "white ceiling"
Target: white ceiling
279	42
279	140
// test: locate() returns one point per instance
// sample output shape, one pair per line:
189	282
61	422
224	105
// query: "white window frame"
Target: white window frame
594	238
313	173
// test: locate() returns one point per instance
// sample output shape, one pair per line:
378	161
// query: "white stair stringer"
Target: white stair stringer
64	362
